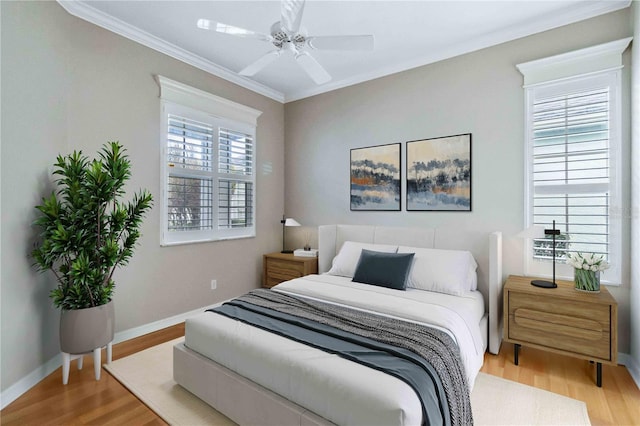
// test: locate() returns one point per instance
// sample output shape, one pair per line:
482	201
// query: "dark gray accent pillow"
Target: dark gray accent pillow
383	269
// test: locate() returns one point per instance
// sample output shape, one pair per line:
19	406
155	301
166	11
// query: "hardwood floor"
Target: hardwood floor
87	401
617	402
84	400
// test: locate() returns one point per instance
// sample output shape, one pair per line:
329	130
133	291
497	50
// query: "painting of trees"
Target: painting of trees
375	178
439	174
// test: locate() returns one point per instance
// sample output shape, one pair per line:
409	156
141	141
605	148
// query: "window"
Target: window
208	163
572	157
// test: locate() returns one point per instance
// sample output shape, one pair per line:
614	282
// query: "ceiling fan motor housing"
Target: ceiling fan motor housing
281	37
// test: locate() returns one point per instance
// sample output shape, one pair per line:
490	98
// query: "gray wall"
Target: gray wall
67	84
480	93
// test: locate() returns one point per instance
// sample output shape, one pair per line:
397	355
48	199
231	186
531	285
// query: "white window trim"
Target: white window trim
202	105
200	100
601	61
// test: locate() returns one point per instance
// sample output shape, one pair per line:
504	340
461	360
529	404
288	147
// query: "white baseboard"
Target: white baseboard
632	366
14	391
131	333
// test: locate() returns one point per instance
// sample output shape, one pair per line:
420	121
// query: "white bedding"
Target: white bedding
339	390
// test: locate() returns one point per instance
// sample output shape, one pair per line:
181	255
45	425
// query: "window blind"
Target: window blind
190	184
235	151
189	144
235	204
571	171
235	195
190	204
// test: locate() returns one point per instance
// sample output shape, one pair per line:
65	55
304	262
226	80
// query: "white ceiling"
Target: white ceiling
407	33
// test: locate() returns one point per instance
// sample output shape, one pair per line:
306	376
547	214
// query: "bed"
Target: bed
255	376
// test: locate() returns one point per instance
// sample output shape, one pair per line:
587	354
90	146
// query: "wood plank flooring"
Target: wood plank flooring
84	400
617	402
87	401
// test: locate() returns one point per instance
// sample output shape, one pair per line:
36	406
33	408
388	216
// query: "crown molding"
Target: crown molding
88	13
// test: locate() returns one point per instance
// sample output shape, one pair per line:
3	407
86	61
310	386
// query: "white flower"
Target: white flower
587	261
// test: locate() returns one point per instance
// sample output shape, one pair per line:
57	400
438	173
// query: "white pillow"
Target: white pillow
442	271
345	262
472	278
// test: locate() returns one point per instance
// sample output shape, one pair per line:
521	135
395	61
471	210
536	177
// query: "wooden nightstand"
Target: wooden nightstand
279	267
561	320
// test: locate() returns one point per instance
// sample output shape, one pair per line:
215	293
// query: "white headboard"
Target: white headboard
485	247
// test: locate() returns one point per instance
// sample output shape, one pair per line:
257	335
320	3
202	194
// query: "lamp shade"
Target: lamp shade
291	222
534	231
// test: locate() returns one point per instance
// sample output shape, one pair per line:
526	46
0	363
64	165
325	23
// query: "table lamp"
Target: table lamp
536	232
287	222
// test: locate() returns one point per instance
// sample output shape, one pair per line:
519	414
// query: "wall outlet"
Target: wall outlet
214	284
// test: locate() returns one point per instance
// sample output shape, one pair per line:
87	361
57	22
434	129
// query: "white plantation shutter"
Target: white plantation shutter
209	166
190	180
189	143
571	169
235	153
235	188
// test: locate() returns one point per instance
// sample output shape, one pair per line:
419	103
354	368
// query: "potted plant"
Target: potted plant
87	231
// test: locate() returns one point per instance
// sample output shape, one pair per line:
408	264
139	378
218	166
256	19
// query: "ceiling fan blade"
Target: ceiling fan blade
262	62
349	42
219	27
313	68
291	15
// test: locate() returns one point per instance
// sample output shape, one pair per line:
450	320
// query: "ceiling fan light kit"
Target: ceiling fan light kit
287	36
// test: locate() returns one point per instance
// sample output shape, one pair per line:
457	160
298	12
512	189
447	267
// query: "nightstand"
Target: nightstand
562	320
279	267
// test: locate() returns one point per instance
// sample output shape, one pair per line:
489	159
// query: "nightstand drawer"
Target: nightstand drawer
286	269
570	325
279	267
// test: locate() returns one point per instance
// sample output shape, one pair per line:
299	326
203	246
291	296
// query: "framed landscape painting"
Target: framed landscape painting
375	178
439	174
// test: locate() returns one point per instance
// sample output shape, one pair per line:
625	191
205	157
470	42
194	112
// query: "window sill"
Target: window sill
182	243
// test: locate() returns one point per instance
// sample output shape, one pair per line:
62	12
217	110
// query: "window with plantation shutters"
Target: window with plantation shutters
572	157
208	164
235	188
190	178
571	172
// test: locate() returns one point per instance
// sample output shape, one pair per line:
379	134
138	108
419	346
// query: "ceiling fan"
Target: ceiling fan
287	36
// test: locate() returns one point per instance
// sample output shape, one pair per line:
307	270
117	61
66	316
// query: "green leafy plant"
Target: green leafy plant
86	230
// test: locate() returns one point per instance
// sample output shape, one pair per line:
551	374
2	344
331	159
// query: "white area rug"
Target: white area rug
495	401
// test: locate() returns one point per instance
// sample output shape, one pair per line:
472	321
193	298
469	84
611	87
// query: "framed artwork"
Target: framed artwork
439	174
375	178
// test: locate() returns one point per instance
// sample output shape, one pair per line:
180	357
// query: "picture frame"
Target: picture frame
375	178
438	174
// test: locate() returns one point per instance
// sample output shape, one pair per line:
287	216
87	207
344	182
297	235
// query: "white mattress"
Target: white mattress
339	390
